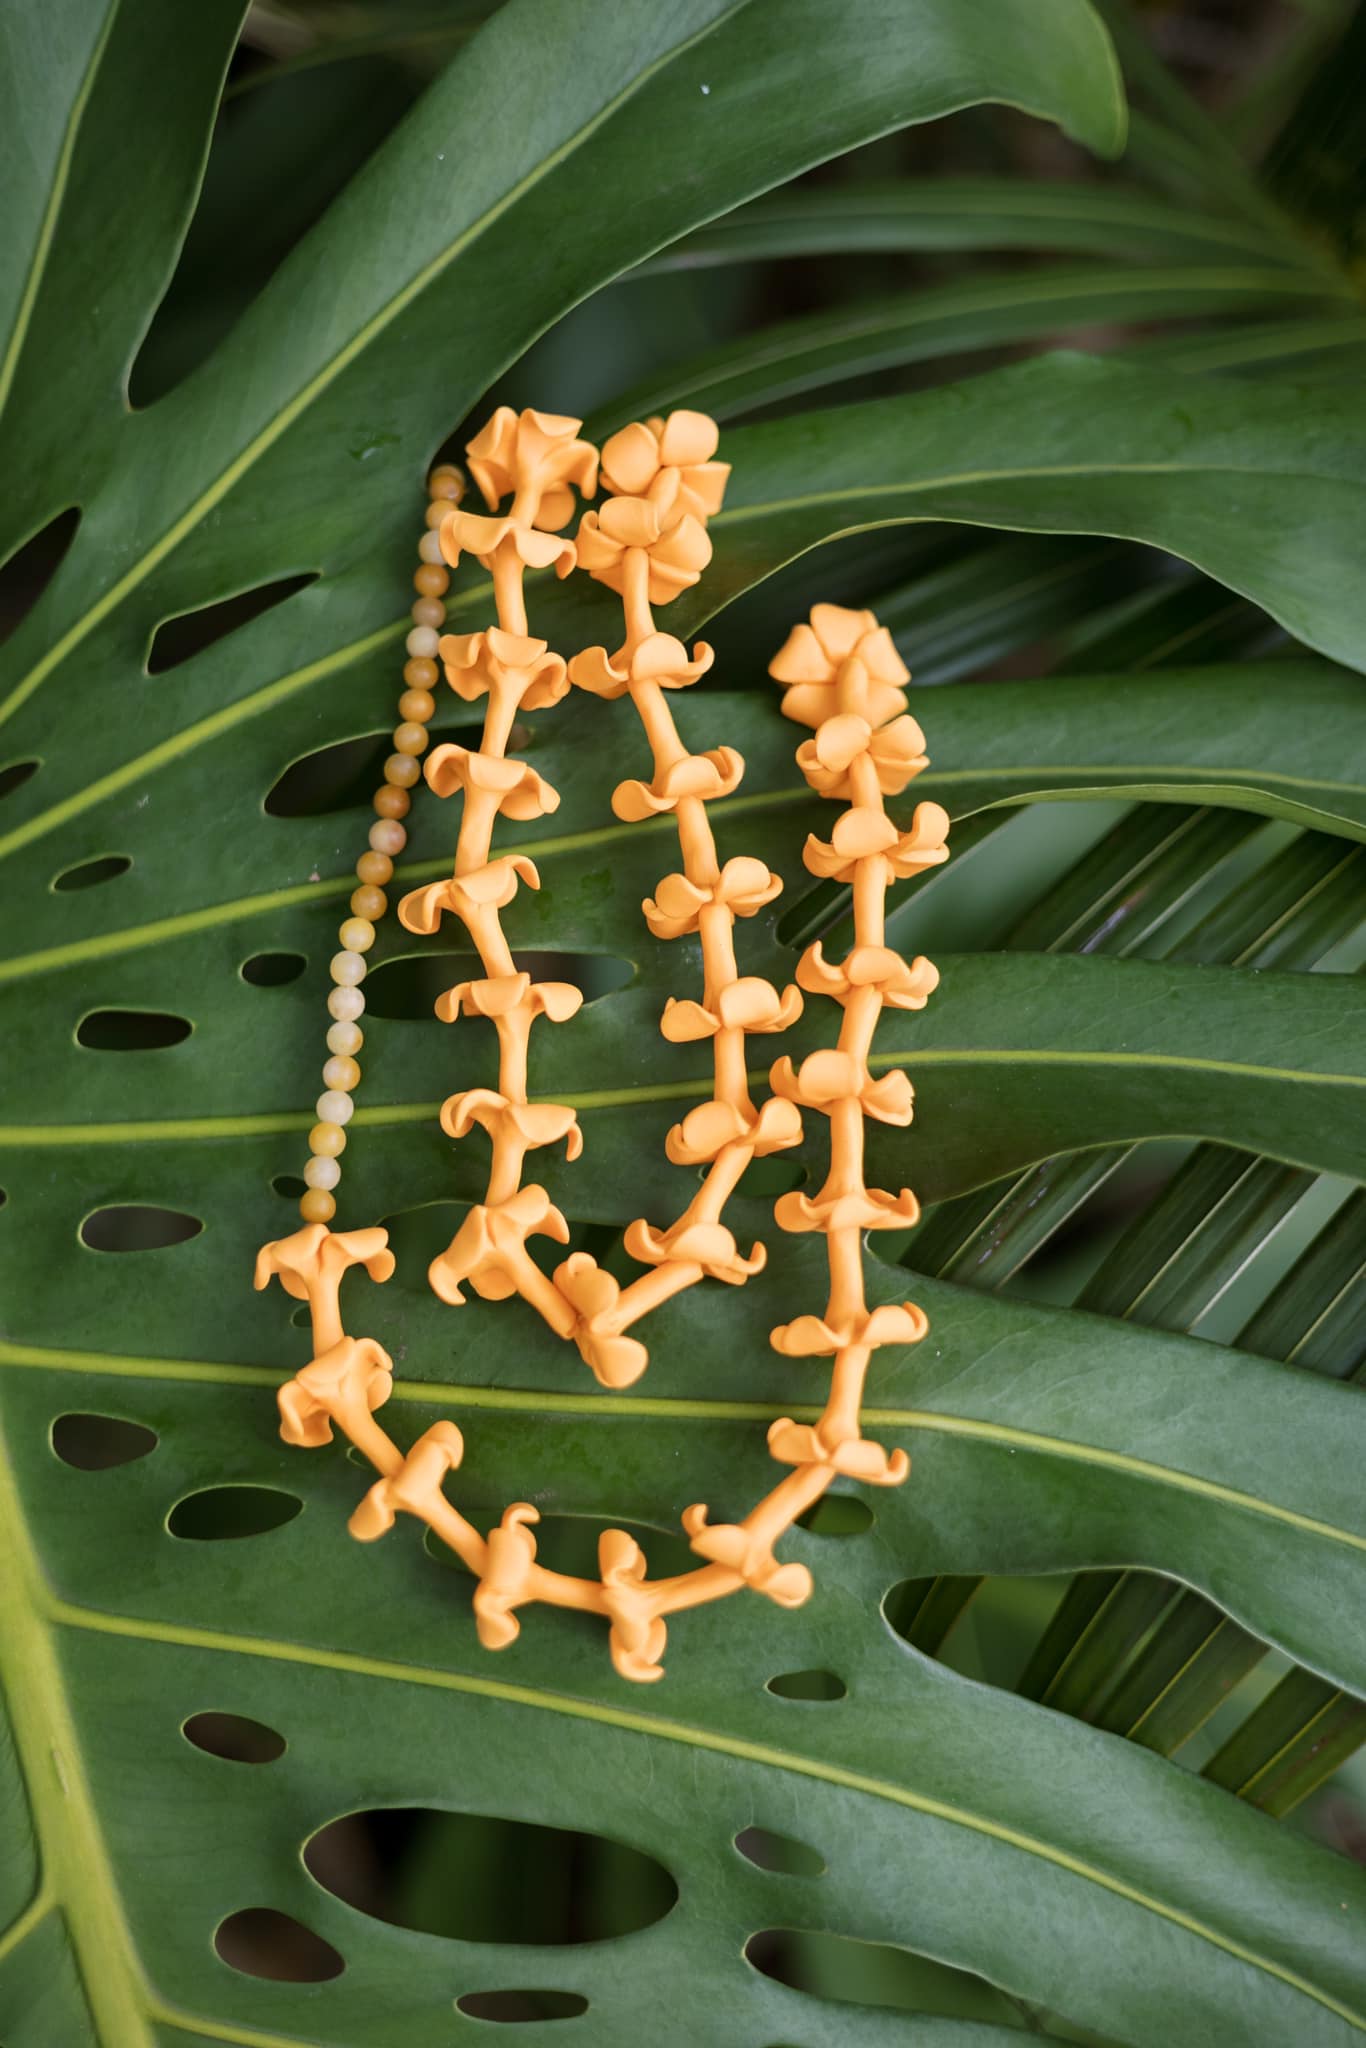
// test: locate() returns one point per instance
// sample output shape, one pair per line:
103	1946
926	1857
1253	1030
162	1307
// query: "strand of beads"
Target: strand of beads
649	543
844	678
533	457
388	836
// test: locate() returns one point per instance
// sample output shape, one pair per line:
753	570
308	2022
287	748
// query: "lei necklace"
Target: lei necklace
647	542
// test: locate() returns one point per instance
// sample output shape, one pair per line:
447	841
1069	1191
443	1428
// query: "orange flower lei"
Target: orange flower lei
843	676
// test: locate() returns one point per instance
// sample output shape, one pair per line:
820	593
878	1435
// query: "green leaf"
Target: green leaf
950	320
1181	736
561	148
930	215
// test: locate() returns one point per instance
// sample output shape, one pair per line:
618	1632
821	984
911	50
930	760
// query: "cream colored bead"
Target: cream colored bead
345	1038
342	1073
346	969
357	934
428	611
346	1004
422	641
410	738
429	547
388	836
332	1107
322	1173
325	1141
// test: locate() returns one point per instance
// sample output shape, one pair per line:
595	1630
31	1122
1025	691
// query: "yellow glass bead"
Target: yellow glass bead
428	611
418	705
392	800
410	738
420	673
446	481
402	771
317	1206
325	1141
357	934
341	1072
387	836
433	579
375	867
370	902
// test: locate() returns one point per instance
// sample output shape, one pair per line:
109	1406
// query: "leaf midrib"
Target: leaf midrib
193	1129
279	424
1122	775
656	1407
62	1613
47	228
76	1869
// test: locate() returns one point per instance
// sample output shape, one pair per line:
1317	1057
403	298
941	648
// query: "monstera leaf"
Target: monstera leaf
202	1675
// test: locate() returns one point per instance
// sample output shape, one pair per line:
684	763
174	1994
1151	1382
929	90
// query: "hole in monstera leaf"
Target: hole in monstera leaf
512	2006
135	1227
16	775
780	1853
408	986
261	1942
177	640
765	1178
289	1185
345	774
131	1030
272	970
88	874
837	1514
96	1443
808	1685
221	1514
872	1973
464	1876
234	1737
29	570
569	1543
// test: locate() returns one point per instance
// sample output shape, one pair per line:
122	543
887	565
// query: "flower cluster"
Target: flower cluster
648	542
844	678
533	458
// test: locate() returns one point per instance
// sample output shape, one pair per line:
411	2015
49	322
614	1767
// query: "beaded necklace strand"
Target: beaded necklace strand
844	679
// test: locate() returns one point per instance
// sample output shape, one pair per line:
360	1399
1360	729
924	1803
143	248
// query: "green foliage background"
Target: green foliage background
1055	1695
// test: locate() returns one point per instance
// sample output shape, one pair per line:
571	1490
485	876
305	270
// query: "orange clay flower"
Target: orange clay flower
533	451
843	661
867	834
495	662
744	886
653	457
676	548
